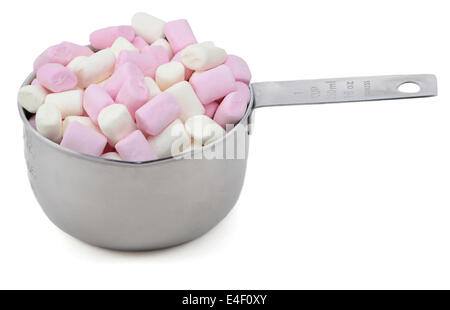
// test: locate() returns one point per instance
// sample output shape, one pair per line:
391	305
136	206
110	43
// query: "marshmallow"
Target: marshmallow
179	34
152	86
203	56
203	129
115	82
56	77
31	97
122	44
32	121
158	52
211	108
116	122
93	69
213	84
133	94
69	102
83	120
189	103
166	45
244	89
95	99
111	155
62	54
80	138
169	74
239	68
187	72
232	109
148	27
140	43
171	141
194	146
146	62
135	148
156	114
49	122
104	38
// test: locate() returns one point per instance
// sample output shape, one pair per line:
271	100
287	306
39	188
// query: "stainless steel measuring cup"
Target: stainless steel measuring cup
167	202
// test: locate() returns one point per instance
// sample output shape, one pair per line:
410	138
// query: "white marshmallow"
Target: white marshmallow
111	155
184	94
148	27
195	145
171	141
152	87
116	122
166	45
169	74
31	97
49	122
69	102
93	69
122	44
83	120
203	56
203	129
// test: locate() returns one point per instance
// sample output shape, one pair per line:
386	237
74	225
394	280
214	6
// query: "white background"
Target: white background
345	196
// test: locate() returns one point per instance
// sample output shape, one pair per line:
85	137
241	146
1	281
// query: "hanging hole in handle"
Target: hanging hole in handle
409	87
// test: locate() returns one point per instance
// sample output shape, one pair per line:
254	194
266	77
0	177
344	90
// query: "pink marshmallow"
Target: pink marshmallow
213	84
135	148
139	43
148	63
95	99
157	114
56	77
83	139
244	90
179	34
104	38
158	52
232	109
124	72
133	94
61	53
239	68
211	108
32	121
187	72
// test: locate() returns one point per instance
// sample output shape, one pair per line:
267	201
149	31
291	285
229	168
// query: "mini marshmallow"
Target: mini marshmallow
124	72
169	74
122	44
240	69
135	148
83	139
56	77
31	97
211	108
156	114
62	54
93	69
187	72
213	84
116	122
133	94
158	52
232	109
95	99
179	34
166	45
152	86
49	122
140	43
203	56
83	120
104	38
244	90
203	129
111	155
146	62
171	141
194	146
69	102
148	27
189	103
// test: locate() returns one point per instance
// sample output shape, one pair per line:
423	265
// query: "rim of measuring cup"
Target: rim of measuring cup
76	154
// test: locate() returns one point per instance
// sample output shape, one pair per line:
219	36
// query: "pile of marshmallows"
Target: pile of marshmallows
149	91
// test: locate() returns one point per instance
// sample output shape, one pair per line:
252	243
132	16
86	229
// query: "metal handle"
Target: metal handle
341	90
